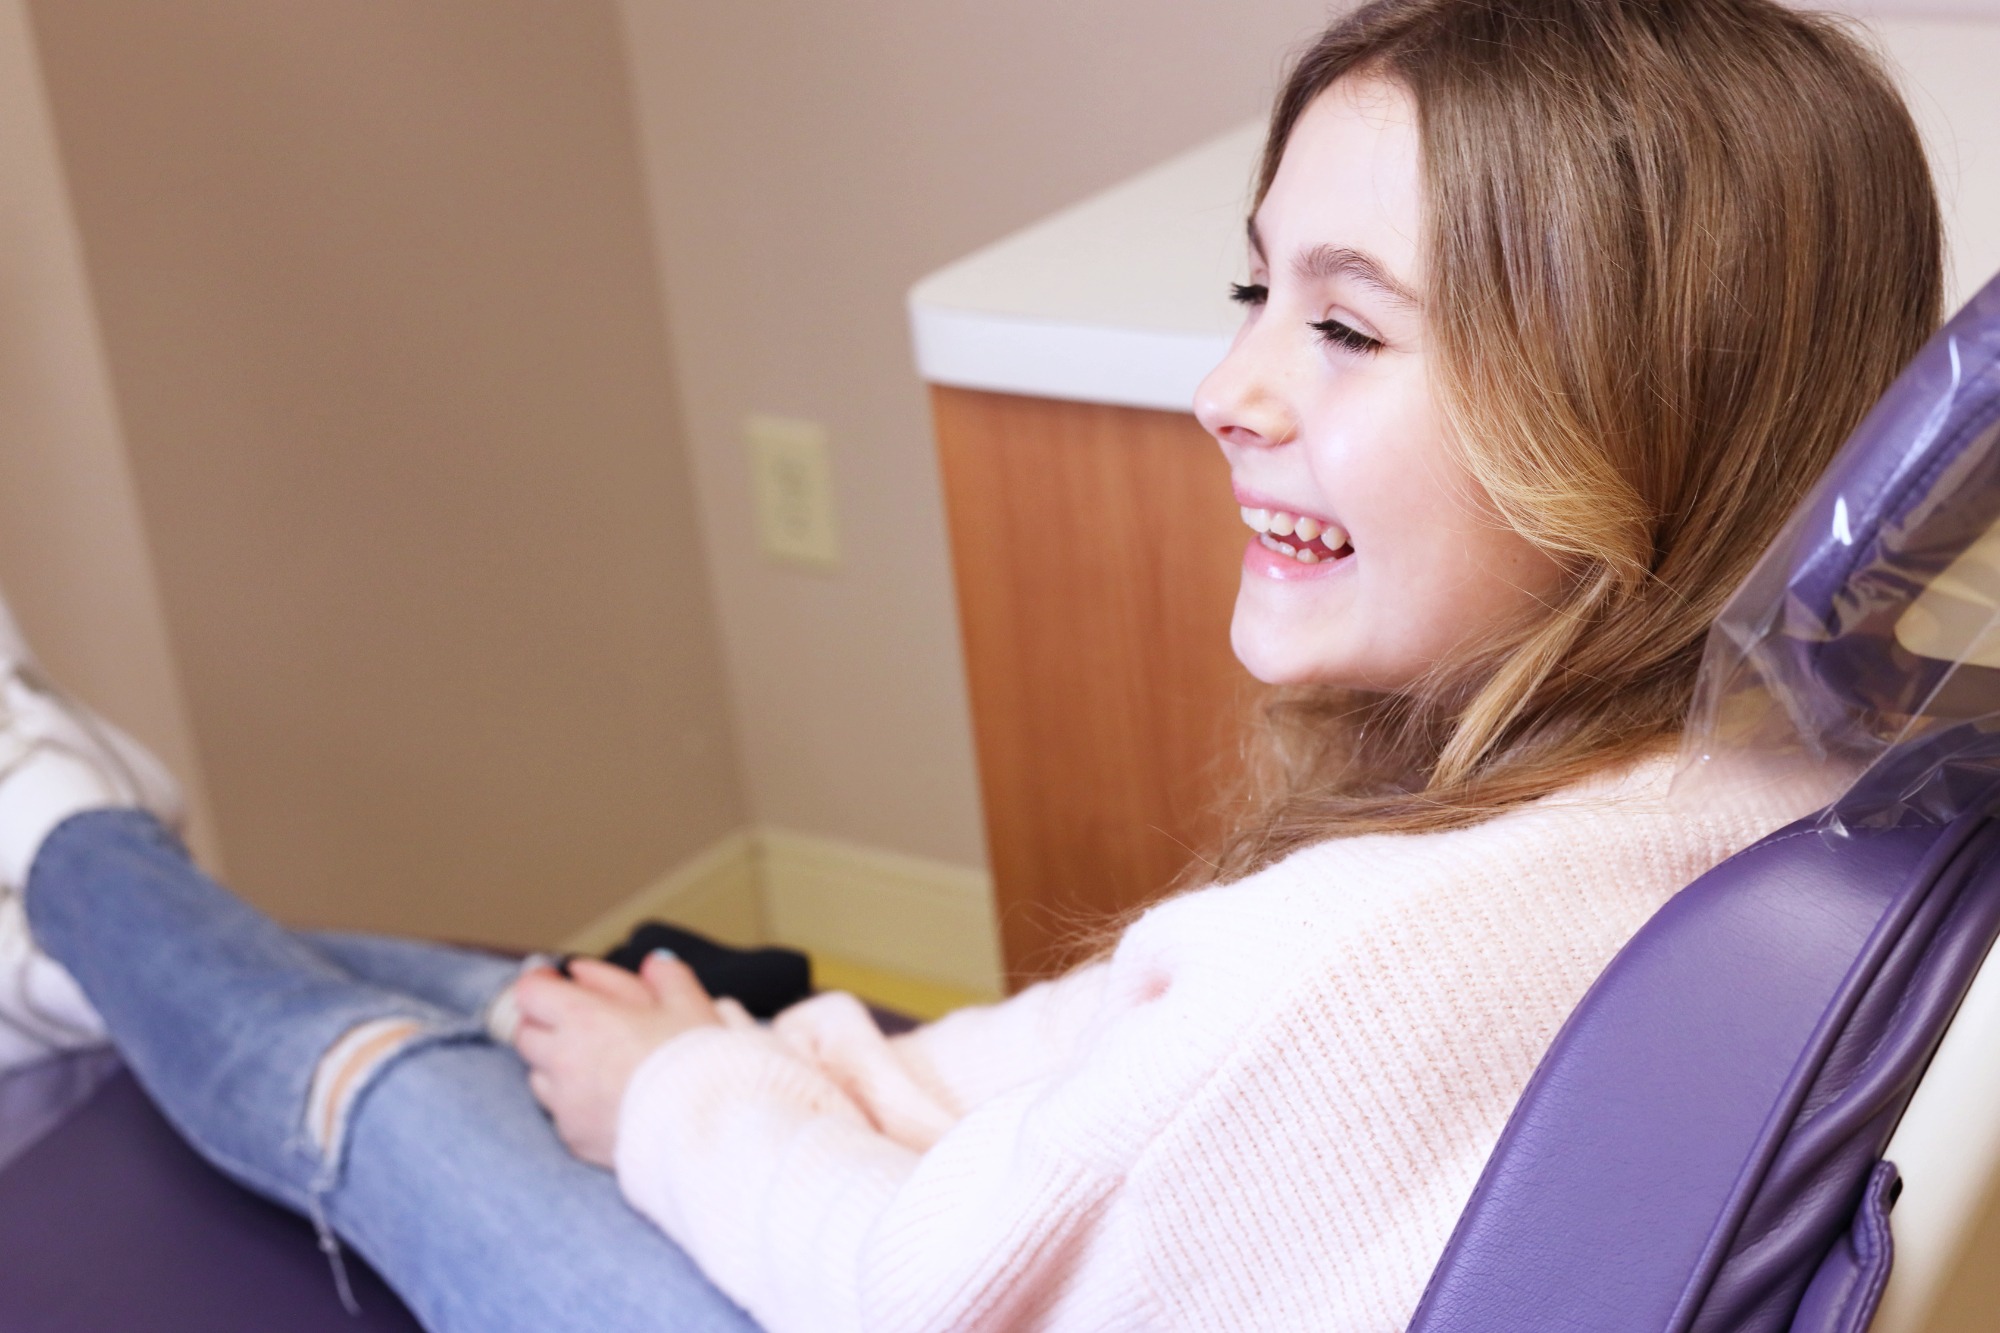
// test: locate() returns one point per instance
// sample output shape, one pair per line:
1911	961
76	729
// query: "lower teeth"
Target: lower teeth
1305	555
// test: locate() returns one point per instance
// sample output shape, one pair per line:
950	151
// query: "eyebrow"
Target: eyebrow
1339	261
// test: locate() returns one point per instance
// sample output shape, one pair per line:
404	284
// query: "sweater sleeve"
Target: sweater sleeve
870	1183
774	1180
772	1158
915	1087
967	1057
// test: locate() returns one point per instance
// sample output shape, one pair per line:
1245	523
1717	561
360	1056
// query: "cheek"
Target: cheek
1475	582
1471	579
1403	490
1437	574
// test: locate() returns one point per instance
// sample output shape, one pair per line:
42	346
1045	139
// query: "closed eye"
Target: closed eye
1251	293
1345	335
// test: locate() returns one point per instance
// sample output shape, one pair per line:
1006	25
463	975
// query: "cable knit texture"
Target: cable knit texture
1264	1111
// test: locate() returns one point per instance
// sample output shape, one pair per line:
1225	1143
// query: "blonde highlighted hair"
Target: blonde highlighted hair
1675	249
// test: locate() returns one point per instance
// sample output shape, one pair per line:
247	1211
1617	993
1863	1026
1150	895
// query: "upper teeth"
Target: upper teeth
1277	523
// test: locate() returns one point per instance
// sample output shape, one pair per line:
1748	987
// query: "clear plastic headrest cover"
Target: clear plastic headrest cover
1862	656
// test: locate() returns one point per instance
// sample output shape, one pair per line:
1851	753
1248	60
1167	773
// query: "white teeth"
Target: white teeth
1304	557
1270	523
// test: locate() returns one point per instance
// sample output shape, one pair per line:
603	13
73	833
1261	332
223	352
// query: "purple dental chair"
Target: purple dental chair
1713	1141
1706	1145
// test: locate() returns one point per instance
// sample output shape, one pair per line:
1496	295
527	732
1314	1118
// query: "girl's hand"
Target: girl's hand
583	1037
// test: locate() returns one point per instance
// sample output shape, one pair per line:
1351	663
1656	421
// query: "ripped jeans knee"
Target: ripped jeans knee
345	1072
350	1068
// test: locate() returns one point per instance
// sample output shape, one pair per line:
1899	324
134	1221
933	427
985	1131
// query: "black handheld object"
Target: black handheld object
763	981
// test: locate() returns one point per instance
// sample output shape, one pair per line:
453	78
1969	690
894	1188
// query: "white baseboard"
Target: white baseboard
717	892
906	914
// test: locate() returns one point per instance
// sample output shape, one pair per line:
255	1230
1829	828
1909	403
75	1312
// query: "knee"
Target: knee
349	1067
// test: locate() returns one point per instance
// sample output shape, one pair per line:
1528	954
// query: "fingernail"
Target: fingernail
667	954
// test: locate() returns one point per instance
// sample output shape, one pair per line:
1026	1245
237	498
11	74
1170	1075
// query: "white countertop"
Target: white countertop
1123	298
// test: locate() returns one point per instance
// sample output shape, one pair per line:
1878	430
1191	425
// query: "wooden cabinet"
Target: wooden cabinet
1096	551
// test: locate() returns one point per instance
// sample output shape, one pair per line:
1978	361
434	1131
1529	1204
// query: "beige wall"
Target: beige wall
380	285
376	284
377	289
1946	68
808	161
73	557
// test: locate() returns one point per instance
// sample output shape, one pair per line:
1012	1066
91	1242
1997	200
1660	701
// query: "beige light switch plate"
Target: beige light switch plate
792	478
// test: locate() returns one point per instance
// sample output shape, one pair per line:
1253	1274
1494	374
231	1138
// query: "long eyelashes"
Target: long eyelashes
1331	331
1344	335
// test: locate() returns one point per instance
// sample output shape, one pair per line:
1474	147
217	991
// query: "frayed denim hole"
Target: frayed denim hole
402	1036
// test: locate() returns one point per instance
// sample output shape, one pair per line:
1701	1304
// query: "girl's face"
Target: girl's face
1335	444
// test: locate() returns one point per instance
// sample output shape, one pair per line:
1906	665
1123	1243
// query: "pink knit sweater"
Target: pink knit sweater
1264	1111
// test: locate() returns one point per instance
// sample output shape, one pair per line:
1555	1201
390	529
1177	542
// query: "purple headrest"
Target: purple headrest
1869	633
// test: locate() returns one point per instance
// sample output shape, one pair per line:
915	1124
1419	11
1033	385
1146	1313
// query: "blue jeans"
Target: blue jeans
447	1175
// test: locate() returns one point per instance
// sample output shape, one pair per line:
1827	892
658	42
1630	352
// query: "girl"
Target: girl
1553	309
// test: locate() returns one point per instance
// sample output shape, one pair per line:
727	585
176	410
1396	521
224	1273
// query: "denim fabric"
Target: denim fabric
459	980
448	1177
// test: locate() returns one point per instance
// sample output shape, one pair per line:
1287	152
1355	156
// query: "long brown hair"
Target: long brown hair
1675	249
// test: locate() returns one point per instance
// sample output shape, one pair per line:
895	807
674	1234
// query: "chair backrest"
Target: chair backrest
1702	1146
1947	1149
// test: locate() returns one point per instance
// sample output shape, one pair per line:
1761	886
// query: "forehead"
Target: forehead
1351	177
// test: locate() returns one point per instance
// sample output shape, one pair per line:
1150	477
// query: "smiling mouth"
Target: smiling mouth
1305	539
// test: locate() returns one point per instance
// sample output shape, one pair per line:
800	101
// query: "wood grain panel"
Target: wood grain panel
1096	552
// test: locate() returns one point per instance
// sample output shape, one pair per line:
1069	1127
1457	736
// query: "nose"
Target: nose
1241	401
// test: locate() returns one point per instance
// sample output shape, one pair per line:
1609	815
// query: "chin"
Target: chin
1276	654
1276	658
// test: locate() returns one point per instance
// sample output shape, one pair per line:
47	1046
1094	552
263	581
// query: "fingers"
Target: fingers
605	1019
577	1070
609	980
671	980
535	1043
543	996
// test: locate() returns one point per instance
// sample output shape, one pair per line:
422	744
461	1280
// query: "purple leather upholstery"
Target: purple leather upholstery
1805	658
1699	1149
1700	1134
1848	1287
109	1222
37	1097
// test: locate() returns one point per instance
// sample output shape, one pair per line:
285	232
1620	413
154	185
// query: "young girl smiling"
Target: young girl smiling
1553	309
